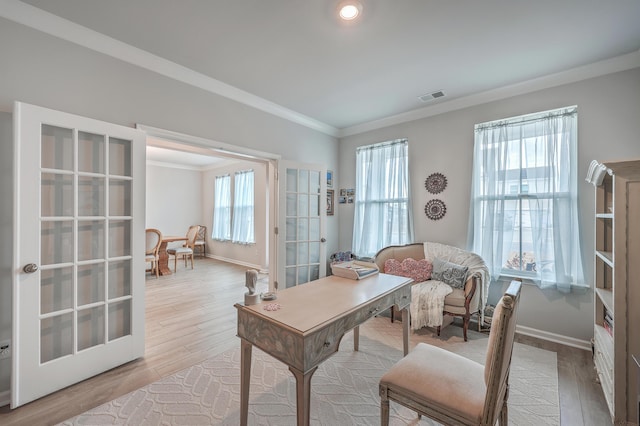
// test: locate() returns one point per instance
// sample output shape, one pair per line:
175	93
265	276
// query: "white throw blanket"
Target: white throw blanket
427	302
475	263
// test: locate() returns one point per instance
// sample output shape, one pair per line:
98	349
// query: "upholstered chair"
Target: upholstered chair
454	390
153	239
462	302
186	251
201	241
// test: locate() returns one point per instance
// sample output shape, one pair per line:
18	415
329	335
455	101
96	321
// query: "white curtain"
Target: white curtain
383	214
524	203
222	209
243	220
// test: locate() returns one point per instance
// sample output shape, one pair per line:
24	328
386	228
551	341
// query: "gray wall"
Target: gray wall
608	129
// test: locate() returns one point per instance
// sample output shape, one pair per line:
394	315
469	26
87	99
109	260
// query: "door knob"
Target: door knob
323	240
30	268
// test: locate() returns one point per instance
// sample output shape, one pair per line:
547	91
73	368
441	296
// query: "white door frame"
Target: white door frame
221	149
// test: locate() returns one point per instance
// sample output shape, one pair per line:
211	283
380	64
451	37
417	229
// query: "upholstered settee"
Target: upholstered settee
463	302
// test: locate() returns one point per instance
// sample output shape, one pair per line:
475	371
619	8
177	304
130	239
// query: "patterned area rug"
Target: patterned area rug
344	389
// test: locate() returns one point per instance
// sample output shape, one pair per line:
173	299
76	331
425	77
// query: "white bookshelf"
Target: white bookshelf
617	287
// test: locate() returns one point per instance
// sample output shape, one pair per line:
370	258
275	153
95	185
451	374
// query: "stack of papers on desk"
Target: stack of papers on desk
354	270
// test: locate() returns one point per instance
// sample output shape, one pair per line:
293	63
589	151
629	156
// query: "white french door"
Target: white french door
78	244
302	214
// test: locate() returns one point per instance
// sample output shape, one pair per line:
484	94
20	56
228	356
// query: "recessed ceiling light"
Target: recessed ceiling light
349	10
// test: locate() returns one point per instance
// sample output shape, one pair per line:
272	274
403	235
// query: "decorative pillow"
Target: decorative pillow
417	270
449	273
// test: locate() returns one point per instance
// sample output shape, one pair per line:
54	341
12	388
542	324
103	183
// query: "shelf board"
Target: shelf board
604	215
606	256
606	296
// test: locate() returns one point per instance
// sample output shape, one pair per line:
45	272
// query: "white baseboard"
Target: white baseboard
5	398
552	337
237	262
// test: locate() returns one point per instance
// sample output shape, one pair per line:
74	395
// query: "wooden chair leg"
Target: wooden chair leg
191	260
175	263
384	408
438	329
465	325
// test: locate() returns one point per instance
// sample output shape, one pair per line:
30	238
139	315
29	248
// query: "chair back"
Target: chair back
153	239
192	235
499	350
202	233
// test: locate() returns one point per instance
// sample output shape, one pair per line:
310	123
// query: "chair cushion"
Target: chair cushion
455	298
439	379
449	273
150	258
179	250
418	270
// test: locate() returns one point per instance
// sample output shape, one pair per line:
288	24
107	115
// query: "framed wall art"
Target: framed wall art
329	202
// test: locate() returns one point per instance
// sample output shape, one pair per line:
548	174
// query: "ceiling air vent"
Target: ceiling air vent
430	96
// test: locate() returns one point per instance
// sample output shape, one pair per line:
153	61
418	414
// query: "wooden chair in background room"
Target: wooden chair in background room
201	241
451	389
153	239
185	251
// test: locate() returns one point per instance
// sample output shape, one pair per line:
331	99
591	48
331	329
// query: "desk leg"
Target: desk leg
163	259
245	379
356	338
303	395
405	330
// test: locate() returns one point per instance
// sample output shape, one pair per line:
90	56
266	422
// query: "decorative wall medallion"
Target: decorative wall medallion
435	209
436	183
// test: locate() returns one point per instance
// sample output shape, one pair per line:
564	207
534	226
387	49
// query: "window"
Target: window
222	209
383	214
243	208
524	217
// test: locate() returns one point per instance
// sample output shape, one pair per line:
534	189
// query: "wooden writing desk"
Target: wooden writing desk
163	257
309	326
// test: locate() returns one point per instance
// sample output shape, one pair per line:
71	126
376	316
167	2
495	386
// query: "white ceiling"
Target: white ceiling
293	57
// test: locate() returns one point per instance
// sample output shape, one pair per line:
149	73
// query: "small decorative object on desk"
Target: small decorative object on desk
355	270
251	297
269	295
271	307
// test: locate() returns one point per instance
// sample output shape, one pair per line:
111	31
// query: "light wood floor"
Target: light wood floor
190	317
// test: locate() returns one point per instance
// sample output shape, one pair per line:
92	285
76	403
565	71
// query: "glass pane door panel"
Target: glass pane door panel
90	327
291	253
314	182
119	279
119	157
91	283
292	227
56	244
314	205
119	238
314	272
56	289
292	204
90	152
119	319
303	205
56	337
56	197
119	197
56	148
290	280
303	274
314	252
303	185
314	229
303	253
303	229
91	196
91	239
292	180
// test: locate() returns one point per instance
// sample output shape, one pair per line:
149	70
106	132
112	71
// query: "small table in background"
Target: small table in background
163	256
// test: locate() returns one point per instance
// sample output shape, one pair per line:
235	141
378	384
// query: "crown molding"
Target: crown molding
56	26
596	69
